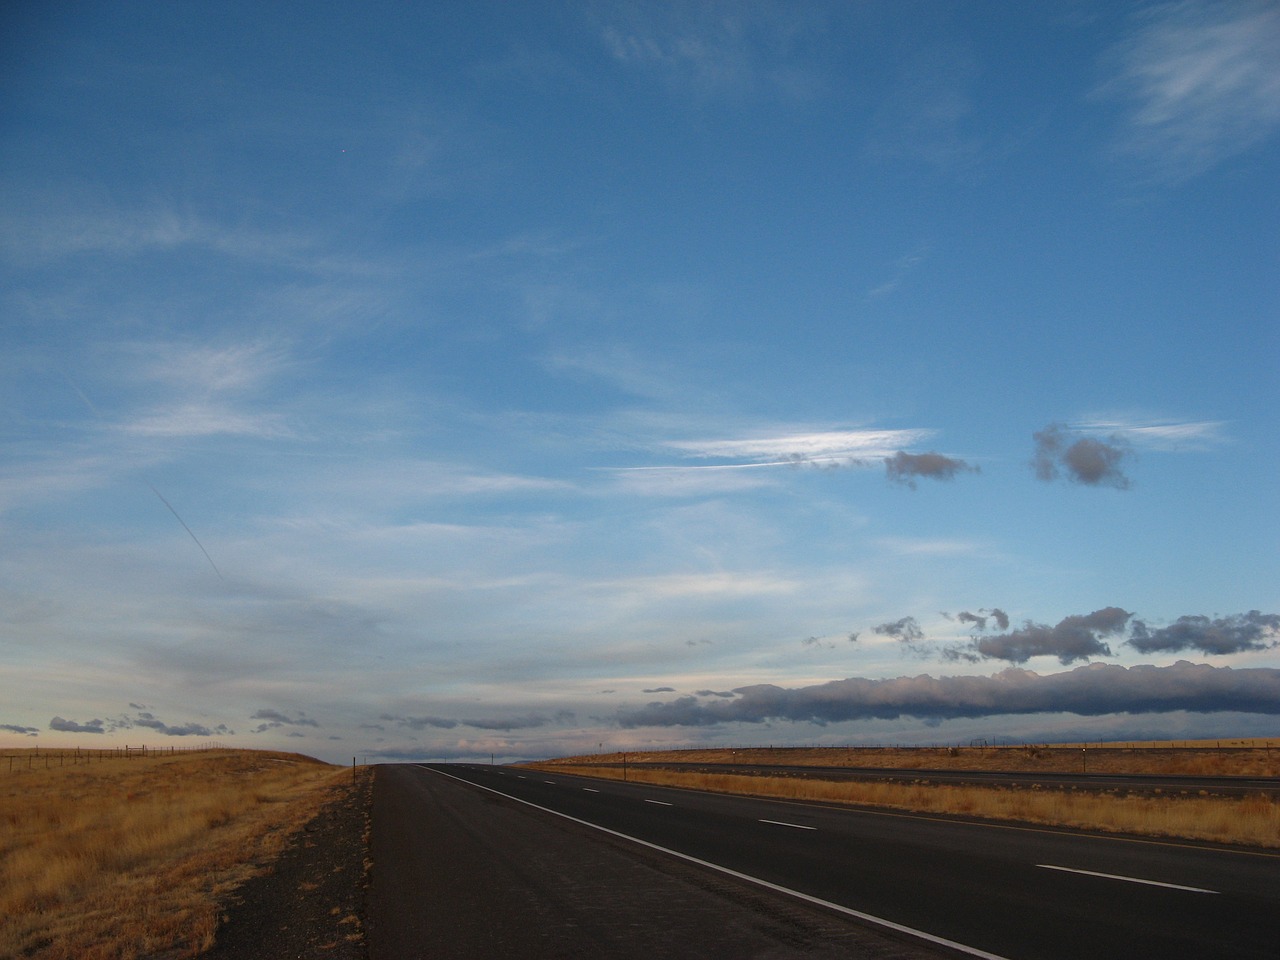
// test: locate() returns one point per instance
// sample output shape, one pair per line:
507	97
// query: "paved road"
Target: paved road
1025	894
463	874
1126	783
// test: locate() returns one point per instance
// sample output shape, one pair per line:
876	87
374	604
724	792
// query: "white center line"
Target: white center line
662	803
552	782
1113	876
590	790
782	823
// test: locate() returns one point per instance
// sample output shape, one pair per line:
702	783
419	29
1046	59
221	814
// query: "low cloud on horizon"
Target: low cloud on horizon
1092	690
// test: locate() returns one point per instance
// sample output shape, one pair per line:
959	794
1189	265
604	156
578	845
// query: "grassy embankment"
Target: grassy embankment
121	858
1251	820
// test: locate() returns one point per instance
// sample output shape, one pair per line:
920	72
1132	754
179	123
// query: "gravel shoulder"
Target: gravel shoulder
310	904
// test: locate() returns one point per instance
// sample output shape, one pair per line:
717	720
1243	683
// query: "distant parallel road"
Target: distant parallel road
1101	782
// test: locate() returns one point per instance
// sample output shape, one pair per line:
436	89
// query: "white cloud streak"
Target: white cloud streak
1202	81
830	446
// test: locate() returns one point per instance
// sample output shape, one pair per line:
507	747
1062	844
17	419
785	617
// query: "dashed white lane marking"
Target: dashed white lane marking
590	790
1114	876
783	823
661	803
552	782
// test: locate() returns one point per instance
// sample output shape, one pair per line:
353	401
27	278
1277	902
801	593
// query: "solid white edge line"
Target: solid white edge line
1116	876
783	823
777	888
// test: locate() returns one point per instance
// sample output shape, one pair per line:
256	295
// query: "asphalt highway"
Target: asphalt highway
460	873
988	890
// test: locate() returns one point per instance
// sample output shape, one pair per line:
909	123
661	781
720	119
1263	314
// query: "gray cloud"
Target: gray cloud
1234	634
521	723
71	726
1084	460
420	723
716	693
904	468
185	730
906	630
1077	637
1092	690
14	728
274	719
660	690
979	619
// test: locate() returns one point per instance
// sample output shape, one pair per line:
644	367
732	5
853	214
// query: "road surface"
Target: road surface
1002	891
463	874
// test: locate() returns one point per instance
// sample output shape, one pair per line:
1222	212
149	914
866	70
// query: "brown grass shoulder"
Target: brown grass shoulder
122	858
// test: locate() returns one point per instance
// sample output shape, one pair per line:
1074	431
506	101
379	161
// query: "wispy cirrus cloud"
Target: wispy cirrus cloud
1164	435
715	50
52	228
827	447
207	420
1202	83
742	462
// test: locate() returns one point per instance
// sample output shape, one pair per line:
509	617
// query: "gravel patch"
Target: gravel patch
310	904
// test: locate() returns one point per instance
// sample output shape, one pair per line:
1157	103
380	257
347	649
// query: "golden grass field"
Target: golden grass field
1251	820
116	859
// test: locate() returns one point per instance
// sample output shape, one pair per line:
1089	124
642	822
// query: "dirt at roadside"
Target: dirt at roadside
310	904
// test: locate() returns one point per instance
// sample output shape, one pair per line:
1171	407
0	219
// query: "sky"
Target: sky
469	380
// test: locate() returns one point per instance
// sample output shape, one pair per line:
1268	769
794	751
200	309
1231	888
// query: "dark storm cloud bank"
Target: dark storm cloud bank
1092	690
906	468
1084	460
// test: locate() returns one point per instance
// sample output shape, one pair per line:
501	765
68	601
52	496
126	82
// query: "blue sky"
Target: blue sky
439	380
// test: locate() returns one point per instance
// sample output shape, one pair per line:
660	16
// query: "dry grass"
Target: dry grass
1252	820
119	858
1241	758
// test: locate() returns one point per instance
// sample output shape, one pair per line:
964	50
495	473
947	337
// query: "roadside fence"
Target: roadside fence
45	758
